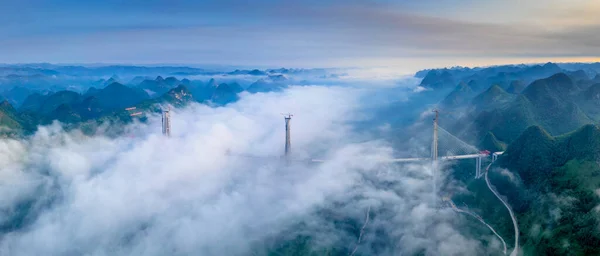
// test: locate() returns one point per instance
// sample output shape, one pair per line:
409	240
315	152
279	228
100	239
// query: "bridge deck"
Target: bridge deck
419	159
398	160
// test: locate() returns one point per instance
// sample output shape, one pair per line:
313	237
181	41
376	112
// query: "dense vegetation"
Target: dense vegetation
107	99
543	116
560	175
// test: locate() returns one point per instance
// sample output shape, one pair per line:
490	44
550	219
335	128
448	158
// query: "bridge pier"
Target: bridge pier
434	155
288	144
478	167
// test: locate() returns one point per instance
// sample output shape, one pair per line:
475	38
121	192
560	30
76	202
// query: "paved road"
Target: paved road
456	209
512	215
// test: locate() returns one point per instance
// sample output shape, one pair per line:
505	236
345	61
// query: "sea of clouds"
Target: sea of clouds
218	185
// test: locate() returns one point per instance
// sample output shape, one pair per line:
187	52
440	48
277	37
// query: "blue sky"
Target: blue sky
407	34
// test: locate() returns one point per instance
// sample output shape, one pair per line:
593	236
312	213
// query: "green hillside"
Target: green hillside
491	143
179	96
589	101
90	107
9	120
33	102
552	103
226	93
536	152
493	97
116	96
458	97
557	197
516	86
63	113
532	155
437	79
506	123
52	101
157	86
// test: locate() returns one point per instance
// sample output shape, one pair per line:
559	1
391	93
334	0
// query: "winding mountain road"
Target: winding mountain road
512	215
456	209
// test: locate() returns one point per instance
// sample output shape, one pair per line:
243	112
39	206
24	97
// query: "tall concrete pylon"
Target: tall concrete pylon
434	154
166	123
434	146
288	143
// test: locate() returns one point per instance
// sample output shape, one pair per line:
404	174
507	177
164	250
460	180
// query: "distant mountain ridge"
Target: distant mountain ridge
108	102
556	103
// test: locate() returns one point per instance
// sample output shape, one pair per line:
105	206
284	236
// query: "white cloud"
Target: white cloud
151	195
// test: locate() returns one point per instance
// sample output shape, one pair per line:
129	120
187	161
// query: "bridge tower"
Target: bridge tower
434	146
166	123
288	144
478	167
434	154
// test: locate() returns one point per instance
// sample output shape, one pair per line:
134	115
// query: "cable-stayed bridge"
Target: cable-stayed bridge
450	147
447	147
444	147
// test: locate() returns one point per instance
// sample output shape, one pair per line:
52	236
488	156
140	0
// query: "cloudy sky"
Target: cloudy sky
269	33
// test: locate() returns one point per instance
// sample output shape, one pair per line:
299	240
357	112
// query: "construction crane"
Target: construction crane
132	113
